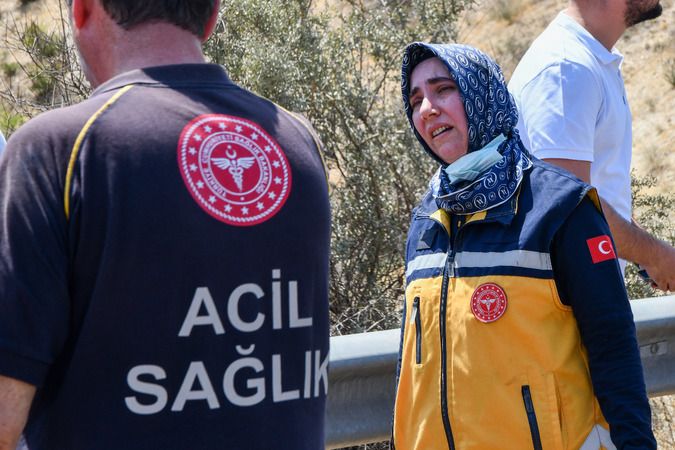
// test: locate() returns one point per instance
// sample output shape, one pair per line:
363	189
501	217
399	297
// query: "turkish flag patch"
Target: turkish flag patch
601	249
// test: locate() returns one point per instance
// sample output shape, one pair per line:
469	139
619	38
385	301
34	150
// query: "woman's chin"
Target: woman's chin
449	156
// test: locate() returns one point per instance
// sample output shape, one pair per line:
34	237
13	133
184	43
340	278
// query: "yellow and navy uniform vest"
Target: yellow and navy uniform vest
490	356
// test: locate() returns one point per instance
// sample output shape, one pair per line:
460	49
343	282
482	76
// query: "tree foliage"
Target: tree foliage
654	212
42	59
339	64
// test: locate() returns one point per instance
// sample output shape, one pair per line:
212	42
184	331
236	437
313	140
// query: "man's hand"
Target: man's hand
632	242
659	263
15	400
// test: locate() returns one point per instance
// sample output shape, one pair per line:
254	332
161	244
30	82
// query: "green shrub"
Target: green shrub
9	70
9	120
40	43
48	63
654	212
506	10
342	70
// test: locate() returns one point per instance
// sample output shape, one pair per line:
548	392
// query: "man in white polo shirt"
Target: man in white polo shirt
574	113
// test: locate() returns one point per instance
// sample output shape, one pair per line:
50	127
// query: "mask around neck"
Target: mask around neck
469	166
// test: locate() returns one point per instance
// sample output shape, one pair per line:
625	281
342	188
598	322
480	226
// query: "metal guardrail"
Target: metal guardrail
363	367
655	323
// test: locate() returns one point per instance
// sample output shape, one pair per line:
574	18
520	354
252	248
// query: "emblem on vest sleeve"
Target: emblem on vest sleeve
601	249
233	169
488	302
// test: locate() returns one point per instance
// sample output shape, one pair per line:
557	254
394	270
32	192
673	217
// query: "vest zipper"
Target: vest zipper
447	273
531	417
418	329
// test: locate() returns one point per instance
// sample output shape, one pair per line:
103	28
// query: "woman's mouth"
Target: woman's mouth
440	130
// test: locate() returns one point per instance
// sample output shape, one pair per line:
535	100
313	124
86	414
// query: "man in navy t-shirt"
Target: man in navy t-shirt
163	253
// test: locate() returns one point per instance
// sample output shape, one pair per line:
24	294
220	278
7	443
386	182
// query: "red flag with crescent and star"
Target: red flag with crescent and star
601	249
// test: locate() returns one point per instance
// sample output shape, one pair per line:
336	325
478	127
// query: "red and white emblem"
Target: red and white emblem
233	169
601	249
488	302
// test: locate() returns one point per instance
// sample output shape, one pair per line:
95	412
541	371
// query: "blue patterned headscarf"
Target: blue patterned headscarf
490	112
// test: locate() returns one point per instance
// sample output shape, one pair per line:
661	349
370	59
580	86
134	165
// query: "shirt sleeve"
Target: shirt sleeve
596	293
34	300
560	108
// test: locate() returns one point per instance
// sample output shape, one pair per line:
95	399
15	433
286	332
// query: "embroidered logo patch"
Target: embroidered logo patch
233	169
488	302
601	249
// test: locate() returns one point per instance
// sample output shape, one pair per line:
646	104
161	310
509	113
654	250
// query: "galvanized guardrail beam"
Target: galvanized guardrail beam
363	367
655	323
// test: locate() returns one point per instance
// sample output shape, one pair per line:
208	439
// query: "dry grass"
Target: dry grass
648	69
663	420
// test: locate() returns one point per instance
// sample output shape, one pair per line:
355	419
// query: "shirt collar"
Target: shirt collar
599	51
174	75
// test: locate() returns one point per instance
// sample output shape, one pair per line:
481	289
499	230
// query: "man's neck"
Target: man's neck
604	20
148	45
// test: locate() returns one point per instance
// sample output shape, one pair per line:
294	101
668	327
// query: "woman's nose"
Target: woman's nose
427	108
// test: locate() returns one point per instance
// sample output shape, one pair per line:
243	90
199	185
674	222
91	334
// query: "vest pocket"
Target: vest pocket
531	417
417	319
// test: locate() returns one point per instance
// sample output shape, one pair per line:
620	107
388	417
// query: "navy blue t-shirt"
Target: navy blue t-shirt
164	255
588	279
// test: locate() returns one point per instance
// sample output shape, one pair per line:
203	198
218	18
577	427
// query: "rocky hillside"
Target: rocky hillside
505	29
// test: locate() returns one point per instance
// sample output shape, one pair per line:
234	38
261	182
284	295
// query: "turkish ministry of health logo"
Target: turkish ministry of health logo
234	170
488	302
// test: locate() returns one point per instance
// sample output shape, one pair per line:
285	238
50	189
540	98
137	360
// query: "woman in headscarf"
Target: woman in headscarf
517	330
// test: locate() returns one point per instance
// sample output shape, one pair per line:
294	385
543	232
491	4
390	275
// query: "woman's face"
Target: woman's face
437	110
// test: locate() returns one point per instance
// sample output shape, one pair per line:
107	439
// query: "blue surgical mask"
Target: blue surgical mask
469	166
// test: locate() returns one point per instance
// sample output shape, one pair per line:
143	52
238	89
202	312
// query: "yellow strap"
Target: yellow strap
480	215
595	198
443	218
78	142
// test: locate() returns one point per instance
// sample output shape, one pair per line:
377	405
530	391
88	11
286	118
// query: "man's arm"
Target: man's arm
633	243
35	307
595	291
15	400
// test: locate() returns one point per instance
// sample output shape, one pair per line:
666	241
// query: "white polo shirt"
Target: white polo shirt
572	105
2	142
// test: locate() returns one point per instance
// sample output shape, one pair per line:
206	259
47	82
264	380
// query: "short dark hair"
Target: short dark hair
191	15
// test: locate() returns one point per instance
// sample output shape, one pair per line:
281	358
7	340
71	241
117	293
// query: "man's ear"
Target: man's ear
81	10
211	24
